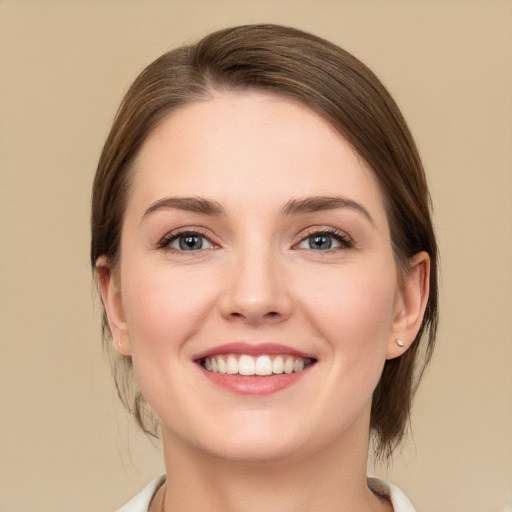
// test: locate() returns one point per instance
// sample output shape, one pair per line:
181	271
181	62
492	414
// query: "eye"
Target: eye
186	241
326	240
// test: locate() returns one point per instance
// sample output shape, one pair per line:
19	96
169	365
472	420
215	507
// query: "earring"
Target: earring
400	343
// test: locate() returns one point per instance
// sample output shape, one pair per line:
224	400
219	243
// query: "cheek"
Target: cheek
164	312
352	307
163	308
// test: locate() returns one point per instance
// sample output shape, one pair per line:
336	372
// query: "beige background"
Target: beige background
65	443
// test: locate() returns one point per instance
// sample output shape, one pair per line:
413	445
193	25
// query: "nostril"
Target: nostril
270	314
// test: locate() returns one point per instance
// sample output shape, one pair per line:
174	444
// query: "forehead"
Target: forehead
248	148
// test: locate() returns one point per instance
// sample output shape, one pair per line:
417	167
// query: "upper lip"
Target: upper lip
252	349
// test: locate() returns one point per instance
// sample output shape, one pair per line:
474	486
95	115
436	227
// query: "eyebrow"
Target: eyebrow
293	207
189	204
319	203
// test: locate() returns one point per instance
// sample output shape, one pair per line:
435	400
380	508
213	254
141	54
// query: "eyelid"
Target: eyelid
169	237
342	237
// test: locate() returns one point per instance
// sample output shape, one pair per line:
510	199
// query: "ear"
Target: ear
111	298
410	305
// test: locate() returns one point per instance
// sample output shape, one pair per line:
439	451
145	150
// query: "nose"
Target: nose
255	291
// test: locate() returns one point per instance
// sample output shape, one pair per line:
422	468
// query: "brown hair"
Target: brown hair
343	91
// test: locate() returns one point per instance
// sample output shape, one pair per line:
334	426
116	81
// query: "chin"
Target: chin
252	438
259	451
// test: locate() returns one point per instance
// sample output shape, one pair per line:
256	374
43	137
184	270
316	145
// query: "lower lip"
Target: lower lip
255	384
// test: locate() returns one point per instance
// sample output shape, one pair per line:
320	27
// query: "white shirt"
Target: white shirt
140	503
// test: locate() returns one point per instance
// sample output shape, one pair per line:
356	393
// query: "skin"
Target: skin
257	279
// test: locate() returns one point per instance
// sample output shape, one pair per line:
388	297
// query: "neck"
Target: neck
332	480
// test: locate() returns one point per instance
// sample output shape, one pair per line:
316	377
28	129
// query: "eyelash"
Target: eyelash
345	240
176	235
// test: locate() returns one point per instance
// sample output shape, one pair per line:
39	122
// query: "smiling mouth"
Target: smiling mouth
262	365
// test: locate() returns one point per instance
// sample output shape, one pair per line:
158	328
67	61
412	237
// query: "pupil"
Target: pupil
320	242
191	242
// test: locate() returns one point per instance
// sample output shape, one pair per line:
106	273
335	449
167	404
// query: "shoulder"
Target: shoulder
394	494
140	503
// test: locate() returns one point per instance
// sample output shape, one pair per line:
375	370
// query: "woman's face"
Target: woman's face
255	240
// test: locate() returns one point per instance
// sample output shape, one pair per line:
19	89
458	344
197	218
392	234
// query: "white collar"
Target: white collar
398	499
140	503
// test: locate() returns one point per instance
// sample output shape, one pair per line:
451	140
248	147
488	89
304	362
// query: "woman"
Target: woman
265	256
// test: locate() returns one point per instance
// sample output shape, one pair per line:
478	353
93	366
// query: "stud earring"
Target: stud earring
400	343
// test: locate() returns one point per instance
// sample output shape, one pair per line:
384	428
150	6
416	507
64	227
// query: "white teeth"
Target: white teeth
278	365
263	365
232	365
222	365
298	365
246	365
288	365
